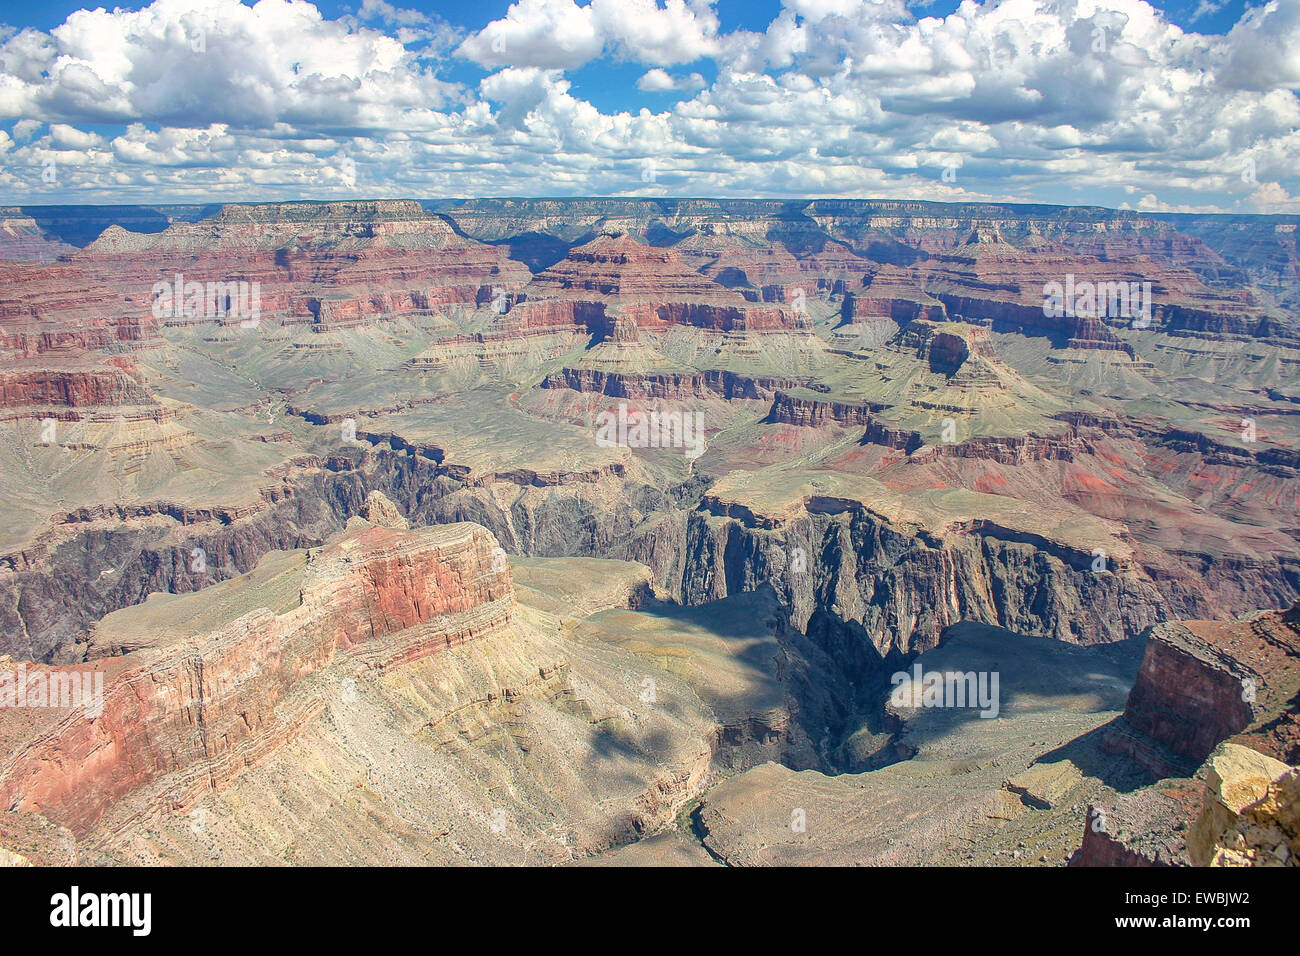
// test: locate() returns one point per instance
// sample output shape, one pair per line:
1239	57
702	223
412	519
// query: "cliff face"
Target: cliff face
203	710
1189	694
1261	251
1203	682
653	287
986	279
89	387
331	265
895	589
813	413
902	587
676	386
52	310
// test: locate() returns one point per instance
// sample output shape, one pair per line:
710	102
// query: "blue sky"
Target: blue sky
1191	105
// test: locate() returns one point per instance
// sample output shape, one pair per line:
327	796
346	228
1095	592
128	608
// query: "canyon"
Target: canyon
363	585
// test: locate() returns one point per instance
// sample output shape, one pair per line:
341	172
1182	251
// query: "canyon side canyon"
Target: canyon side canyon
608	531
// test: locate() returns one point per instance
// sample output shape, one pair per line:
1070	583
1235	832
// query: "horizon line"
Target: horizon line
22	207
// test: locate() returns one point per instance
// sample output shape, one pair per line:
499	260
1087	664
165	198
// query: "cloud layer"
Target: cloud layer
1070	101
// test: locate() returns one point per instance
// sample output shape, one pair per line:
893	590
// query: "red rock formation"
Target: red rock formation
544	314
57	308
681	386
654	287
335	264
892	293
788	409
988	280
1202	682
202	709
1011	450
83	386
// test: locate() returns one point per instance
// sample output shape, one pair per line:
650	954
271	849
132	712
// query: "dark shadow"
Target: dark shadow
81	225
537	250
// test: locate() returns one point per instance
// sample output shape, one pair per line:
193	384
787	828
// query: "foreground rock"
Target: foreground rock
388	698
1251	815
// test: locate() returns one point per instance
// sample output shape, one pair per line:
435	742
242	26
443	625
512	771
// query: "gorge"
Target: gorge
364	584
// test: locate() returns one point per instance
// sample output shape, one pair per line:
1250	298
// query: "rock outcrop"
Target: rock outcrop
1203	682
199	711
1251	815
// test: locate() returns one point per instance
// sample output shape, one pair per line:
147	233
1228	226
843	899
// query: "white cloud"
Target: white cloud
1272	198
1262	51
392	15
193	62
24	129
560	34
1042	100
1206	8
660	81
551	34
69	137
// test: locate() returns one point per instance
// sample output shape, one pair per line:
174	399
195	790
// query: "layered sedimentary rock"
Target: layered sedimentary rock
390	702
895	440
1145	828
653	287
55	309
89	386
813	413
989	280
201	710
940	785
712	383
329	265
1202	682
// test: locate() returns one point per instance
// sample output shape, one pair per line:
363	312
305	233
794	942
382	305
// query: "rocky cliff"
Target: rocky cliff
201	710
1203	682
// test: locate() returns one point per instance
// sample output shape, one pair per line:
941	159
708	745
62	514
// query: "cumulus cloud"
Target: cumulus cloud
560	34
1032	100
190	62
1262	52
1272	198
660	81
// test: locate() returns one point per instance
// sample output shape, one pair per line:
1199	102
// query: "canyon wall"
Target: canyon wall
210	706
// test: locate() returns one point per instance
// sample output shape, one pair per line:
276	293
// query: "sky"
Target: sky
1180	106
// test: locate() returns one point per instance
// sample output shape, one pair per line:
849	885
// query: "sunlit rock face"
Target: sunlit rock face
201	710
